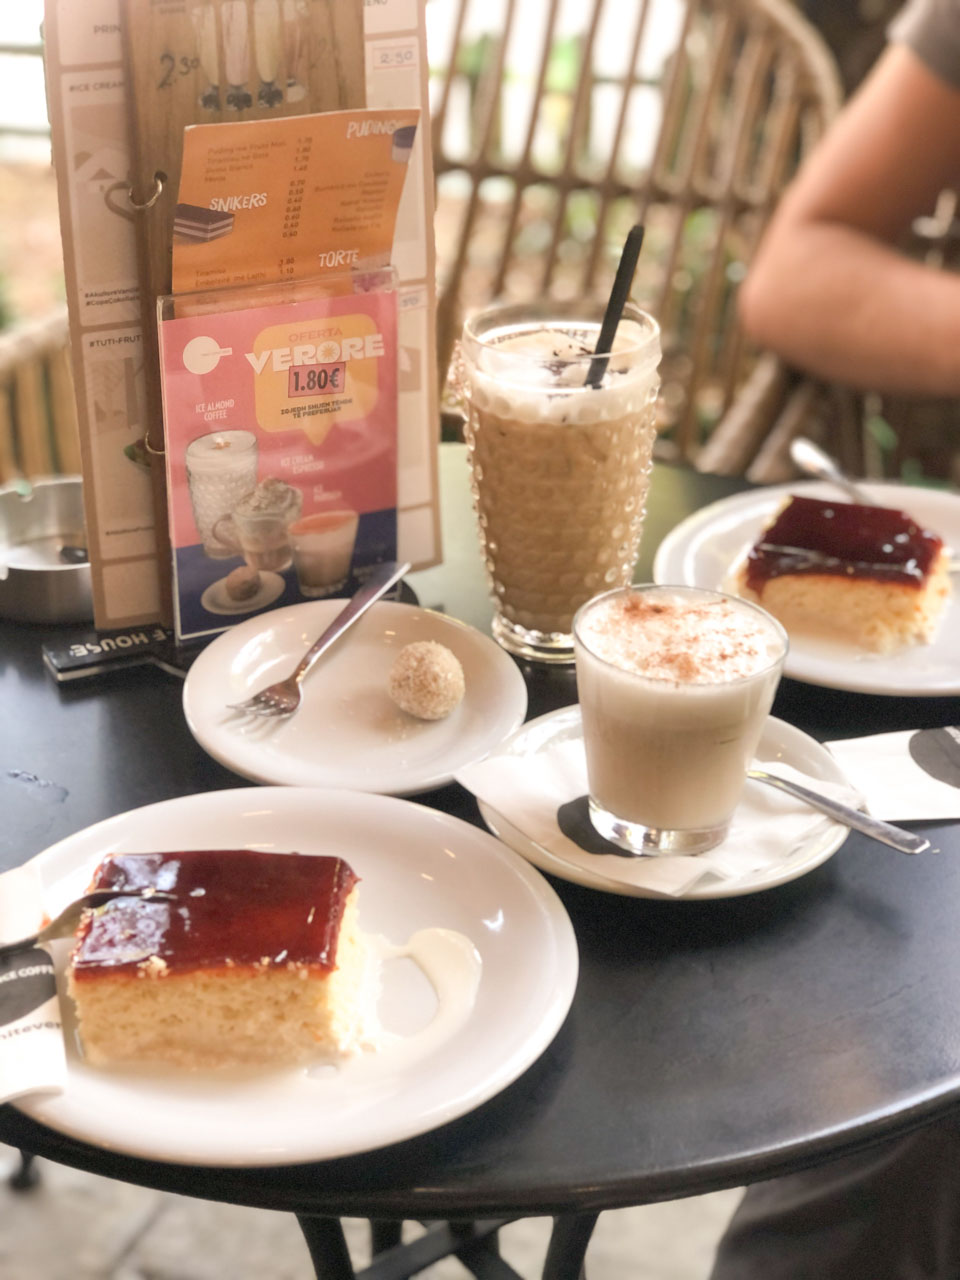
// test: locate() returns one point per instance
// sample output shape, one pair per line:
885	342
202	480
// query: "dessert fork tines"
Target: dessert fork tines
64	924
283	697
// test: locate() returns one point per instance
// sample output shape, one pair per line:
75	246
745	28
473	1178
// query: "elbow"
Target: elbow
758	305
771	301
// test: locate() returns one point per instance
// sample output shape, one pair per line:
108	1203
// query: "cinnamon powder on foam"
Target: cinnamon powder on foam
679	640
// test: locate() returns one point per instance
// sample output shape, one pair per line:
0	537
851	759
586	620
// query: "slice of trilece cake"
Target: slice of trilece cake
257	960
870	574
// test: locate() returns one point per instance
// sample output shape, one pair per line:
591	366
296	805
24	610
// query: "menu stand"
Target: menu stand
170	55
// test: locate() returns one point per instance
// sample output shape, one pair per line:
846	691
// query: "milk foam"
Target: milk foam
685	639
539	375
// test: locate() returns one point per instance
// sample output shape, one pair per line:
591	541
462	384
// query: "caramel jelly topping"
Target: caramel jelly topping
233	907
844	539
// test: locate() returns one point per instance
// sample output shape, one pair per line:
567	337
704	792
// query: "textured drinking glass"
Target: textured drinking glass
221	468
560	469
675	685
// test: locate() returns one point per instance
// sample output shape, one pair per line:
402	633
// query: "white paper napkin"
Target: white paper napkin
767	828
904	775
32	1054
21	902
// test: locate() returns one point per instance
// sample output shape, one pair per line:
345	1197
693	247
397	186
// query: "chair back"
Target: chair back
556	126
38	416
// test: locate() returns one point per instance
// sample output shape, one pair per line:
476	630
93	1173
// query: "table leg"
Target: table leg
568	1246
481	1256
474	1243
26	1176
384	1234
328	1248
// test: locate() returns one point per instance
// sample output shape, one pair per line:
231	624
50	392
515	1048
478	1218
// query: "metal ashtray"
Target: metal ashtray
44	569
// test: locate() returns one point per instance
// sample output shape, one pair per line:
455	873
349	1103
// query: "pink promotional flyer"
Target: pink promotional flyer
281	453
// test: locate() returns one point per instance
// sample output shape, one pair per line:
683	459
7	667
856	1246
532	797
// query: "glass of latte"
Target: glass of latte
560	462
675	685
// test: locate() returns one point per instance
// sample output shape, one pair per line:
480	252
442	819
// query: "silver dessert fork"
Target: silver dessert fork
64	924
809	457
283	697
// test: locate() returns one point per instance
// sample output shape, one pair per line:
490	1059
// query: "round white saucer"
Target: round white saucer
216	600
347	732
781	743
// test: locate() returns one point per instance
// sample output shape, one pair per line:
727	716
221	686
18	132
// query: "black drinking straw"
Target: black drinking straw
618	298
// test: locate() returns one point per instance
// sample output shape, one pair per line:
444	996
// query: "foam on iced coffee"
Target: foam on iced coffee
672	638
539	375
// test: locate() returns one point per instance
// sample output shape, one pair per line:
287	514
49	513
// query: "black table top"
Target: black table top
709	1043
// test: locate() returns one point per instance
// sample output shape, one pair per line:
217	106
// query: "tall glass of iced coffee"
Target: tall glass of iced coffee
675	685
560	466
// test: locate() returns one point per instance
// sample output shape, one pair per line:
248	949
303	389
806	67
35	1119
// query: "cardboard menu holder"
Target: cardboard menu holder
124	78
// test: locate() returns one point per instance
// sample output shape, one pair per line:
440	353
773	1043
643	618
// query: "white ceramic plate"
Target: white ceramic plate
418	869
701	551
780	742
216	600
347	732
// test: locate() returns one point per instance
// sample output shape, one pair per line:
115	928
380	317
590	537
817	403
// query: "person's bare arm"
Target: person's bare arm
826	289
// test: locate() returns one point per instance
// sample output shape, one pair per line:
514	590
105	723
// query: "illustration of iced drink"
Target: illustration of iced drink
236	52
323	550
205	30
266	40
258	526
221	468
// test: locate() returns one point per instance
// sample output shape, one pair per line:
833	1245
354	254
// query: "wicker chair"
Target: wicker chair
549	142
689	116
38	416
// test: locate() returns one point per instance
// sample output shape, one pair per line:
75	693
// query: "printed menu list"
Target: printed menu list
290	199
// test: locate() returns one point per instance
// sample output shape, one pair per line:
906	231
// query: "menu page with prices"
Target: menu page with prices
86	95
290	199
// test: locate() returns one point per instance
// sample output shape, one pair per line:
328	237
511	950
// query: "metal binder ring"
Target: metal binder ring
157	453
152	199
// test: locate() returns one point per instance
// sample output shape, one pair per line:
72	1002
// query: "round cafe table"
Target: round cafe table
709	1044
